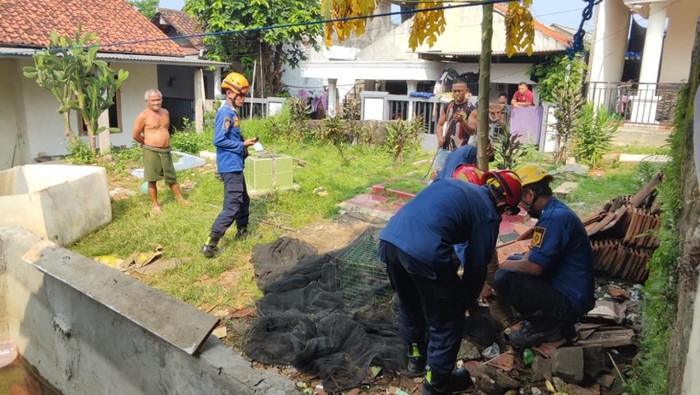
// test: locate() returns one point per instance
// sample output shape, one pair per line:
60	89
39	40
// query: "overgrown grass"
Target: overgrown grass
182	229
660	291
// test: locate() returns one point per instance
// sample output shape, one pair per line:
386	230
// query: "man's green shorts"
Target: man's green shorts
158	164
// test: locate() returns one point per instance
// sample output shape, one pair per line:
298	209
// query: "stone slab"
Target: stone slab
174	321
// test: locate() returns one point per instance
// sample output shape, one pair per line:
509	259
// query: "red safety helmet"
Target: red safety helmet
469	173
508	183
235	82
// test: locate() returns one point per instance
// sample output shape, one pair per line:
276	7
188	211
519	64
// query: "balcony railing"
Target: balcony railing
640	103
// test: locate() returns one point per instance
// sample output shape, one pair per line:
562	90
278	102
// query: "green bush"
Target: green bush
79	153
189	141
507	148
594	131
402	137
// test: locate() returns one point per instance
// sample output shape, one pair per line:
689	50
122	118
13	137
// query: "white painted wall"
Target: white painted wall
44	125
678	45
142	77
13	149
609	41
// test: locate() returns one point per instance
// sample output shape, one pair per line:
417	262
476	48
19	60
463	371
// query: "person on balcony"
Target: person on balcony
523	97
458	120
551	285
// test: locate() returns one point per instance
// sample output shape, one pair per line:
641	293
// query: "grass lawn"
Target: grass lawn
228	281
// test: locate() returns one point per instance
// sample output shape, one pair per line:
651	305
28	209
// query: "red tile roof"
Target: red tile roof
184	24
28	23
544	29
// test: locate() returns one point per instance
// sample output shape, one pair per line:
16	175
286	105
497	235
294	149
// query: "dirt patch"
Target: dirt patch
331	236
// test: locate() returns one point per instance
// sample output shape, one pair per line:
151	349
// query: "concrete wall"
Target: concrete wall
678	44
609	41
13	149
59	202
28	110
82	346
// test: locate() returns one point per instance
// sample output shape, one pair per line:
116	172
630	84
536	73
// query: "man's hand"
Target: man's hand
250	142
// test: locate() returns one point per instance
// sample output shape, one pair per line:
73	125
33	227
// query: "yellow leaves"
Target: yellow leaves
427	26
520	28
339	9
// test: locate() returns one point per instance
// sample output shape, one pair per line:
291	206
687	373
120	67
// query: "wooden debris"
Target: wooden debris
610	338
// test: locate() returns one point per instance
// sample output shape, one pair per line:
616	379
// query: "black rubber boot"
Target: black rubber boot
441	383
242	232
210	249
416	361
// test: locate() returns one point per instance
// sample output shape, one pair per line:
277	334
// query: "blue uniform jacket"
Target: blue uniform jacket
228	140
446	213
464	155
561	246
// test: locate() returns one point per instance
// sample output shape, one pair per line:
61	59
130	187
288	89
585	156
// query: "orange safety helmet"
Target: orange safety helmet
508	183
235	82
469	173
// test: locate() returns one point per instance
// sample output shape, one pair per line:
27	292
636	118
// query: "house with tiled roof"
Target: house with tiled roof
30	126
388	61
182	28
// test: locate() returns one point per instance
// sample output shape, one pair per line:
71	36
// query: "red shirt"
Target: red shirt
526	97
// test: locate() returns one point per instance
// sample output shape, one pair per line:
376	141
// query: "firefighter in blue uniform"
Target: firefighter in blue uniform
552	285
417	246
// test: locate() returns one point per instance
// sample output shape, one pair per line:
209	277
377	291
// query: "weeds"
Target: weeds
594	131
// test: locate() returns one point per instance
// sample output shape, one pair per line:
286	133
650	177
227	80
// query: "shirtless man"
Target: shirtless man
151	132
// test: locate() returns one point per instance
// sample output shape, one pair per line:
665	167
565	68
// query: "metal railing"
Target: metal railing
408	108
640	103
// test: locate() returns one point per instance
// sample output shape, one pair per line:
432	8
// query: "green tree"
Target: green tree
147	8
559	73
79	81
272	48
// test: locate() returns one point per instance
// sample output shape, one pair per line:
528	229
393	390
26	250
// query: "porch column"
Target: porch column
653	44
332	97
199	100
678	45
103	141
412	86
217	82
644	103
607	59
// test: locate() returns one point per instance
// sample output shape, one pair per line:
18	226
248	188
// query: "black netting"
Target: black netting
330	316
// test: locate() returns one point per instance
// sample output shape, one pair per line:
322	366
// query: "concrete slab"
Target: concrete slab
176	322
61	203
82	346
644	158
642	135
565	188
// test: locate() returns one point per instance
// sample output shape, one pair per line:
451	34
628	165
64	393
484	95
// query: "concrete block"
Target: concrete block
542	368
567	363
595	361
565	188
61	203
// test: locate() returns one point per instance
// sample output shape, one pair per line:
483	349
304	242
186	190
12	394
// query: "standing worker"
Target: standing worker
417	246
231	151
552	285
151	132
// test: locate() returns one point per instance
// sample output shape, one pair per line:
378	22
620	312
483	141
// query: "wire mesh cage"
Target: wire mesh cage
360	275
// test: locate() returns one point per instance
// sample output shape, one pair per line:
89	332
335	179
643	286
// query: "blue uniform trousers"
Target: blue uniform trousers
529	294
235	207
436	305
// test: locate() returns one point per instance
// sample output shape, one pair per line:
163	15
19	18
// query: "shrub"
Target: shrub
507	148
79	153
402	137
594	131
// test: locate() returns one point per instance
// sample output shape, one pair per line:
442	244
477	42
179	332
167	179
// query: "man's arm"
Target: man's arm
472	122
440	128
522	265
139	129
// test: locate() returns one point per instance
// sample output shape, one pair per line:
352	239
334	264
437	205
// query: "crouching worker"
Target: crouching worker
552	285
417	246
231	151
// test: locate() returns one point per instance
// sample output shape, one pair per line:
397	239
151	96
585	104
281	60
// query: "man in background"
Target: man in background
523	97
151	132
